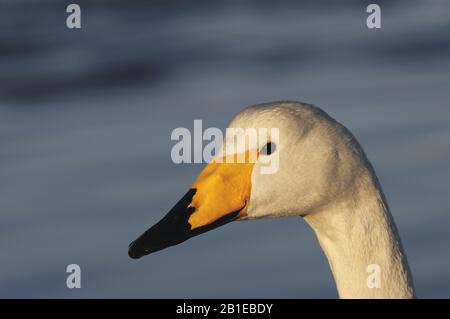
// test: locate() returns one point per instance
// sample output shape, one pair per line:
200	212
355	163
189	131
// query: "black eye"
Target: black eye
268	149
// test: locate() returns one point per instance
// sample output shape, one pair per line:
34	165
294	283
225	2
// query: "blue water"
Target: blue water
86	117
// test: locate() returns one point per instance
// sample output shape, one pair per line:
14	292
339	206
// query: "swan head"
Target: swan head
307	163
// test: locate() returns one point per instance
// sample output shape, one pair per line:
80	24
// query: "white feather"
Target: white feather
325	176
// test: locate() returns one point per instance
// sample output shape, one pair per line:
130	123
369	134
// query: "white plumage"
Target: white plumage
325	177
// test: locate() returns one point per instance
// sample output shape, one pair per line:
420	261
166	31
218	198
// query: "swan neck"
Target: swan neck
361	243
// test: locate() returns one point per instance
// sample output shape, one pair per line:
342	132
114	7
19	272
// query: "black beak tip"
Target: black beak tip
134	252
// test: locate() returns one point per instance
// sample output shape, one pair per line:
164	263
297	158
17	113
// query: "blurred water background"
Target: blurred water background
86	117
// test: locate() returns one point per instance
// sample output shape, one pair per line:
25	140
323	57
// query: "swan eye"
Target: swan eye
268	149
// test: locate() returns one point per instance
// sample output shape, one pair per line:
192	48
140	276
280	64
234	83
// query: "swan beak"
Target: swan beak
220	195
